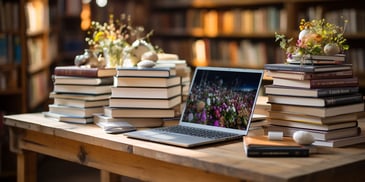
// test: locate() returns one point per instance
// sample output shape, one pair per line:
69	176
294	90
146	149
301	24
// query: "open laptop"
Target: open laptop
219	108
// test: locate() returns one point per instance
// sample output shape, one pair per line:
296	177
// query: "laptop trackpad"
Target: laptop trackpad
180	138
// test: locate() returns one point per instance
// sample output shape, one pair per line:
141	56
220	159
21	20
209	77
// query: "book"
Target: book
319	59
68	118
73	80
307	68
312	119
144	103
146	92
323	127
317	102
318	83
261	146
181	67
319	111
297	75
307	92
83	89
146	72
116	127
80	102
84	71
139	112
74	111
341	142
317	134
135	122
146	81
86	97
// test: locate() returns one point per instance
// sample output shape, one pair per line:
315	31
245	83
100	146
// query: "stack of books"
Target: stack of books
321	99
79	92
143	97
183	70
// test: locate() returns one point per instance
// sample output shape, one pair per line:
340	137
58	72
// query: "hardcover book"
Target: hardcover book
146	92
319	59
306	92
84	71
318	83
116	112
307	68
319	111
323	127
135	122
69	118
146	72
317	102
145	103
80	103
73	80
74	111
261	146
83	89
86	97
317	134
341	142
297	75
305	118
146	81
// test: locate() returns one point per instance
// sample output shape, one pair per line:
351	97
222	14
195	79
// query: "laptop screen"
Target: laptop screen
222	98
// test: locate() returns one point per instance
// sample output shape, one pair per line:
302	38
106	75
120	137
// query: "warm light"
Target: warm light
200	54
101	3
85	16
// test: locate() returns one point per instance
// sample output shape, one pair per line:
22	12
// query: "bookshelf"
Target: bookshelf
241	33
24	39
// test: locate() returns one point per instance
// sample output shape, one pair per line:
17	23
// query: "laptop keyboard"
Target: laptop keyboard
197	132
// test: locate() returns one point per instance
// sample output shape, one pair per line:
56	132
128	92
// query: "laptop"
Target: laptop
219	108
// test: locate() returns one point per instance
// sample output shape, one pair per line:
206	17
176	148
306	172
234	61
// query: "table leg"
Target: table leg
106	176
26	166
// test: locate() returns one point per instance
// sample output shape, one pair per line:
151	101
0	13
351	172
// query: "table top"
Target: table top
227	158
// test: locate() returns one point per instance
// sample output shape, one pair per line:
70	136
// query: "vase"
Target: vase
113	58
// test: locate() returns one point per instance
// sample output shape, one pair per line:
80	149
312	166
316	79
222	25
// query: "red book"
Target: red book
84	71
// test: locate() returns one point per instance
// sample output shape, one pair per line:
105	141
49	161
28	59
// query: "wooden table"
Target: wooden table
116	154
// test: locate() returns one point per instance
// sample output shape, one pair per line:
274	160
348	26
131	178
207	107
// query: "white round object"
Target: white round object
331	49
146	64
149	55
303	137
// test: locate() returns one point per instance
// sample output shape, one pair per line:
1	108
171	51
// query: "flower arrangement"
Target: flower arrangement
316	37
116	39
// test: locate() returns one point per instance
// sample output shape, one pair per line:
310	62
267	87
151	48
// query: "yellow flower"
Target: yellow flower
99	36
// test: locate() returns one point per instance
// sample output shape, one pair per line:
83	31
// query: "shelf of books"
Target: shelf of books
241	34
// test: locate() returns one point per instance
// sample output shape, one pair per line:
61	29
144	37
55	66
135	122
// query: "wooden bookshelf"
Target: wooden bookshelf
241	33
25	66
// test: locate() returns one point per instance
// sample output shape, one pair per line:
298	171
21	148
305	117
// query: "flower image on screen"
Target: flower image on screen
222	99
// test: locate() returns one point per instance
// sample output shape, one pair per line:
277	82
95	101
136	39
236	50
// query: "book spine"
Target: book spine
76	72
337	91
277	152
336	74
343	100
286	68
334	83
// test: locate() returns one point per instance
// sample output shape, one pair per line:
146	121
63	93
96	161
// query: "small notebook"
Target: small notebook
219	108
